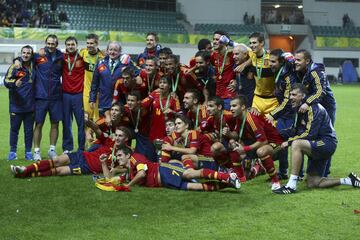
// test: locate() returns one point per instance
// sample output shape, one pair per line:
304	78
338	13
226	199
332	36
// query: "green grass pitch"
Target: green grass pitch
72	208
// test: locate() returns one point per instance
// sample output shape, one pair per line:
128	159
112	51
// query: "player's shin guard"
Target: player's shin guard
269	166
40	166
46	173
188	163
214	175
237	166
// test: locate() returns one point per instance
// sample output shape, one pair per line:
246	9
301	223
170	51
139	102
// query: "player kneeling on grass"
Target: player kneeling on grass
171	175
312	135
80	162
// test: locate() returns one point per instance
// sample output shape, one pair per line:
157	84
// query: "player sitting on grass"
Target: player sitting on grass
77	163
312	135
171	175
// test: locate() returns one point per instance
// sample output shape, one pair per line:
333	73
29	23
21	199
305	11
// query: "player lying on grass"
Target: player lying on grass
312	135
80	162
171	175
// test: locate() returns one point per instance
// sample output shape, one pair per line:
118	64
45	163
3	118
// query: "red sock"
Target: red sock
268	164
39	166
215	175
188	163
237	166
46	173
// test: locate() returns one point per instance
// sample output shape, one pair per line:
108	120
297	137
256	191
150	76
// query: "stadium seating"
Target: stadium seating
230	28
336	31
103	18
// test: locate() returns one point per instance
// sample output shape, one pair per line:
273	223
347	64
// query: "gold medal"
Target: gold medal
136	130
69	73
220	77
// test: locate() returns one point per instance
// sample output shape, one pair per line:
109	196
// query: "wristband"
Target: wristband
247	148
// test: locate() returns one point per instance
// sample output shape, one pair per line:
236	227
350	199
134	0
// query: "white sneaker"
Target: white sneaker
52	154
234	181
17	169
37	156
275	186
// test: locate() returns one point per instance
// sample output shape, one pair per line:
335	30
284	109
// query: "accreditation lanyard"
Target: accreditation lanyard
174	86
259	70
221	70
71	65
278	74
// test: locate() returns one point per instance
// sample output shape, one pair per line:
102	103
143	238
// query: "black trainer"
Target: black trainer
284	190
355	180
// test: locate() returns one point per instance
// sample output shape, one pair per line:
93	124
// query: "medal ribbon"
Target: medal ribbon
71	66
259	71
220	71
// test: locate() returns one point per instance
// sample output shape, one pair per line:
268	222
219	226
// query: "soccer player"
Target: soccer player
171	175
163	106
180	81
222	60
106	72
79	162
127	83
73	86
139	115
245	79
264	100
150	75
205	74
312	135
255	134
284	114
312	75
118	118
194	110
164	53
204	44
48	93
91	55
152	49
20	83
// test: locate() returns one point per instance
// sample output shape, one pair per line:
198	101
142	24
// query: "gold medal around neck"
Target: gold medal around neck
220	77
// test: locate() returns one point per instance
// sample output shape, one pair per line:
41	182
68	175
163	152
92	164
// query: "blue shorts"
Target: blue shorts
78	164
171	175
54	107
207	162
321	151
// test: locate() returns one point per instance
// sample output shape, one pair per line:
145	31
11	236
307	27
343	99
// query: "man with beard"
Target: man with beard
152	49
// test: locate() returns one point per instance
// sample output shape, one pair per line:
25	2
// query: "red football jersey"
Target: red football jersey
150	84
137	163
256	128
157	130
223	79
212	125
73	81
121	90
200	114
143	123
175	139
92	158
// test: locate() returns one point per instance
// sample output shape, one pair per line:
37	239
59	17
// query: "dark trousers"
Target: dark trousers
73	106
15	123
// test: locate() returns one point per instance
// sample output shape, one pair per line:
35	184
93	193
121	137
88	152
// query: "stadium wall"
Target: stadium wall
325	13
221	12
